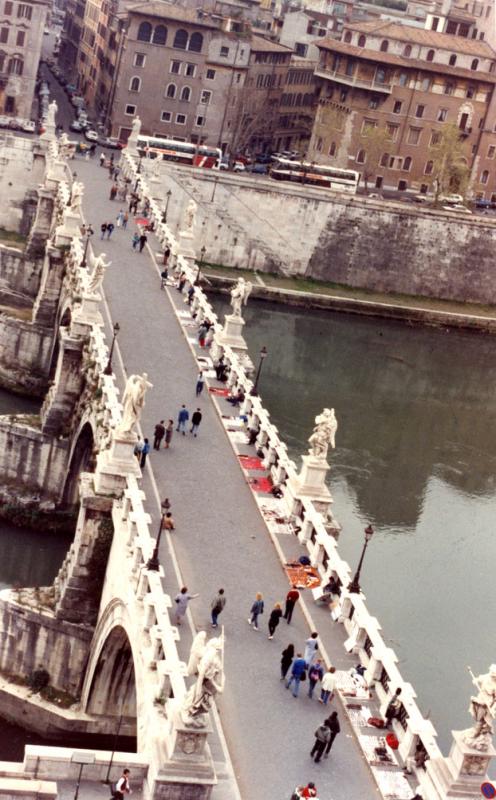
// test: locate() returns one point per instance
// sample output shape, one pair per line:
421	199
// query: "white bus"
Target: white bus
196	155
307	174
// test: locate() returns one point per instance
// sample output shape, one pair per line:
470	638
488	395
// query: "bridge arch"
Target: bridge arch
80	460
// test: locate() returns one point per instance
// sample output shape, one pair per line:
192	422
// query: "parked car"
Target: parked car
4	121
263	158
110	142
239	166
258	169
77	101
28	126
76	126
224	163
451	199
421	198
482	203
91	135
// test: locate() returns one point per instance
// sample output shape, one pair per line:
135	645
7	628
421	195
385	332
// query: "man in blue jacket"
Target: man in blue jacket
297	670
182	419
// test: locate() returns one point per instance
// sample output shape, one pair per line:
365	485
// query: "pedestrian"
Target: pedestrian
275	616
191	292
315	674
287	656
144	452
168	522
195	422
102	159
125	217
200	380
182	419
168	433
122	786
120	218
158	434
166	255
182	281
298	670
182	600
322	738
103	230
255	611
292	598
217	606
332	723
113	191
110	228
202	332
138	447
142	241
135	240
394	707
311	647
327	686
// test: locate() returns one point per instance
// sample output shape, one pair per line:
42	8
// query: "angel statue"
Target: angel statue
324	434
190	216
133	402
136	127
50	118
239	295
77	195
198	648
210	681
98	274
483	710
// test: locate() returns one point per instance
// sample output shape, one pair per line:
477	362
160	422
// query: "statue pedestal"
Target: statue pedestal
186	249
115	464
57	171
70	227
231	335
310	482
461	774
49	135
87	313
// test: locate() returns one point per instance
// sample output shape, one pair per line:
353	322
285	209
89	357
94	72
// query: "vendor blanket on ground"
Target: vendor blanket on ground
302	577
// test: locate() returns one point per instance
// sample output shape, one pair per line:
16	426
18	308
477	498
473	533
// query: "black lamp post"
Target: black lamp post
200	265
153	562
354	586
263	355
108	368
164	214
87	235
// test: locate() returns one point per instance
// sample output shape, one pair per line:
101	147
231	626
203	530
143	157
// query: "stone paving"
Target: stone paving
220	540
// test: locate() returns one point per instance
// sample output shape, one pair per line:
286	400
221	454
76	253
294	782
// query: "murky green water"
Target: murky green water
416	457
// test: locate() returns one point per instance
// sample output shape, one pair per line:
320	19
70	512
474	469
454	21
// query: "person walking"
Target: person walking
142	241
202	332
168	522
255	611
122	786
144	452
315	674
110	228
200	381
168	433
322	738
125	219
158	434
113	192
182	600
394	707
292	598
217	606
135	240
311	647
103	230
275	616
327	686
165	505
182	419
102	159
195	422
287	656
298	669
332	723
120	218
167	252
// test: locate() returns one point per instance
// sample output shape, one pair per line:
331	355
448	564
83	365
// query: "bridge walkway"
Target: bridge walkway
220	541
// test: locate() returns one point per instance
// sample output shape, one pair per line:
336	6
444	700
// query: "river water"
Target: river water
416	457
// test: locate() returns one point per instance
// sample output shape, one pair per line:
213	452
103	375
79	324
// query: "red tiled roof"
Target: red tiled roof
408	33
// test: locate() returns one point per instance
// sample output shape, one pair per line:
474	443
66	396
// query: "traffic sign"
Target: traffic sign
488	790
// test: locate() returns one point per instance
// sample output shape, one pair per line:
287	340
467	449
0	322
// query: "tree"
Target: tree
376	142
254	115
450	172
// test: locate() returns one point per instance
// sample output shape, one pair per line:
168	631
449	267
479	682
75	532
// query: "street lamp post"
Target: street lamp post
200	265
87	235
164	213
153	562
263	356
108	368
354	586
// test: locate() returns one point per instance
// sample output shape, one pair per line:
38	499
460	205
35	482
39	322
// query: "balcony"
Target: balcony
353	80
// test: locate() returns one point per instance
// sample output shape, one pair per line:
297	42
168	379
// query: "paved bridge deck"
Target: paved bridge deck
220	540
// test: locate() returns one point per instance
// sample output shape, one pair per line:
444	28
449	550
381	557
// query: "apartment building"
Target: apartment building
21	37
409	82
71	38
297	107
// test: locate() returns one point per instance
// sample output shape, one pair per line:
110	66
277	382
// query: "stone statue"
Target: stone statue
324	434
98	274
136	127
483	710
52	110
77	196
239	295
197	650
210	681
133	402
190	217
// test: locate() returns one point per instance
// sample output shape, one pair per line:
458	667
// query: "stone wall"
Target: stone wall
30	461
382	246
19	277
25	353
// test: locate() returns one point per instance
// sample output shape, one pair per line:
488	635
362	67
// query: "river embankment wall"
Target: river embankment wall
377	245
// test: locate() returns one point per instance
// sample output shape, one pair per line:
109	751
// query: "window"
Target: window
426	85
378	182
347	37
180	39
419	111
442	115
181	119
463	122
384	46
301	49
343	94
350	66
135	84
435	138
373	102
185	94
196	43
362	41
485	176
403	79
206	96
171	91
224	51
160	35
470	92
402	186
414	135
144	32
332	149
360	159
24	11
165	116
4	35
130	110
175	67
424	188
452	60
10	106
368	125
7	9
16	66
428	168
397	107
430	55
190	70
449	87
319	144
392	131
139	59
380	75
407	51
210	74
474	64
407	164
200	120
384	160
491	151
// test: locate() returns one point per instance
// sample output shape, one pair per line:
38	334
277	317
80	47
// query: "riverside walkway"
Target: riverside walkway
220	541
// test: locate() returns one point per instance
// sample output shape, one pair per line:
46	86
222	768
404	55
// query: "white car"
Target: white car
239	166
4	121
451	199
91	135
28	126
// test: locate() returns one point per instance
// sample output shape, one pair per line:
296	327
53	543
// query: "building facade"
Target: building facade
21	37
71	38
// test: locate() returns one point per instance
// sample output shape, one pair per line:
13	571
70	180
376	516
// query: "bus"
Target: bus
196	155
303	172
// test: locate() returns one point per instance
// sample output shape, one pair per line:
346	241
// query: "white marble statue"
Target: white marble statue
77	195
189	219
483	710
133	402
210	681
136	127
52	111
324	434
198	648
98	274
239	295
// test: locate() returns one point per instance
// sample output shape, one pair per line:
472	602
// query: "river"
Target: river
415	457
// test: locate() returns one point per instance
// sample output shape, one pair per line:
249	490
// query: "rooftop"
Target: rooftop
408	33
157	8
261	45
